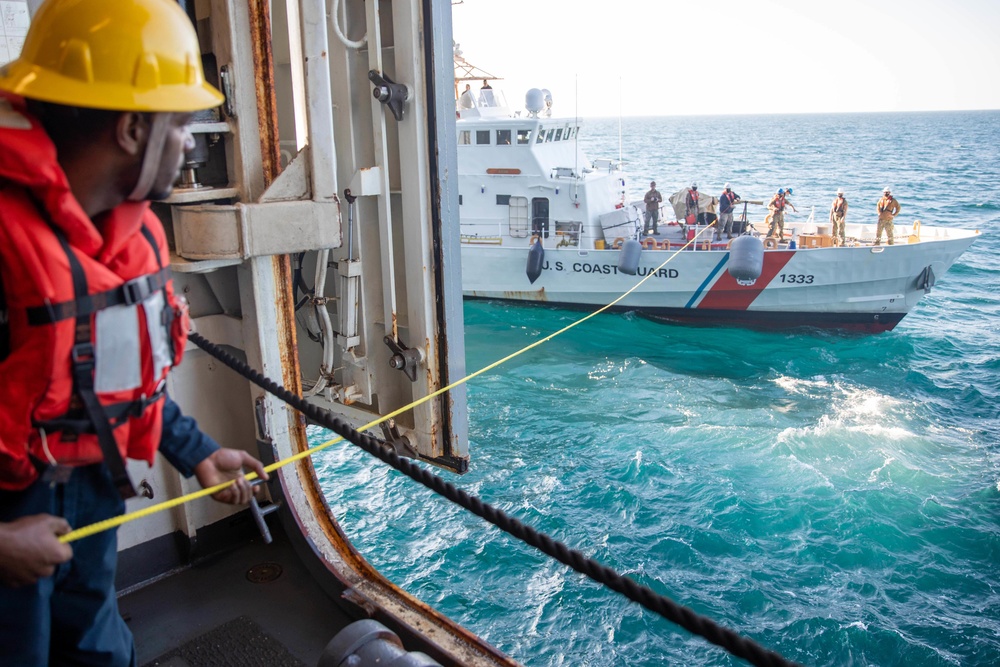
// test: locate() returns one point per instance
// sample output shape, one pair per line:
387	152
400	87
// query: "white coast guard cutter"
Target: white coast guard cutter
523	179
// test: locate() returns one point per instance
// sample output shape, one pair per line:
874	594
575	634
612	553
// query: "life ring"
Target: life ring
648	244
617	243
770	243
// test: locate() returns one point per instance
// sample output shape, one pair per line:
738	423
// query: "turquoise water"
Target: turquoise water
836	498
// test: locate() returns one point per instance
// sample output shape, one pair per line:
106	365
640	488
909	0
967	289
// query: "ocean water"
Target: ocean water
836	498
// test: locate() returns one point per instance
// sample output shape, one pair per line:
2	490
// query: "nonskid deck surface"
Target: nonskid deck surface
199	615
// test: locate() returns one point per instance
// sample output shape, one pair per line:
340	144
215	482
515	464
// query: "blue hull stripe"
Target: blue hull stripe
701	288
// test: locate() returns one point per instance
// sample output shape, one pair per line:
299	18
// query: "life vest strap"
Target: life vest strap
117	413
134	291
84	360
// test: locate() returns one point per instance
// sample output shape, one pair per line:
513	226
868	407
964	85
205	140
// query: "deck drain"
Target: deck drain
263	573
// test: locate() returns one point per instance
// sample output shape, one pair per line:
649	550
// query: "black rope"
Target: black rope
732	642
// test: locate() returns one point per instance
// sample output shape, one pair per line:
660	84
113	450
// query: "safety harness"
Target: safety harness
86	413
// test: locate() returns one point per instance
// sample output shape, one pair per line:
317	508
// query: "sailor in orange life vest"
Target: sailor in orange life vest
888	208
777	208
94	324
691	205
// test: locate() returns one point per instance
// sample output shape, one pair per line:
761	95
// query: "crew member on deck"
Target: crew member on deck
777	208
486	98
466	100
888	208
691	205
652	215
90	132
727	202
838	215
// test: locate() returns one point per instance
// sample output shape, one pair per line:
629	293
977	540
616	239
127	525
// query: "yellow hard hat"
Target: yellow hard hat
125	55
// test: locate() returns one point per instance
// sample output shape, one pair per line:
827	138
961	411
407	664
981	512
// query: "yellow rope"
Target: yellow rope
114	522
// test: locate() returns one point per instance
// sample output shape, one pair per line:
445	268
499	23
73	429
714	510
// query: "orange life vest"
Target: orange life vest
728	198
94	325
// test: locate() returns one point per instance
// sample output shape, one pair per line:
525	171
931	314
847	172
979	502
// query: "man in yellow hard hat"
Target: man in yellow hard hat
92	126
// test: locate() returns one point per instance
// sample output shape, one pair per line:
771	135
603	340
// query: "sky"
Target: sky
733	57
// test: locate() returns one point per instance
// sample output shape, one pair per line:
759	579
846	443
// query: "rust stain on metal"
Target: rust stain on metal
526	295
267	105
288	348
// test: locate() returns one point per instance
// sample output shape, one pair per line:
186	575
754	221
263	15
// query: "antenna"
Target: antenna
619	120
576	126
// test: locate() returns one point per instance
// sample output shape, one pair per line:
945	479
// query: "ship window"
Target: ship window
503	200
459	200
559	134
518	213
550	135
541	136
503	137
483	137
464	138
523	137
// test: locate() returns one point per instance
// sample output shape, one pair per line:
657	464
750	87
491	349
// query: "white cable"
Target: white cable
340	35
329	337
45	447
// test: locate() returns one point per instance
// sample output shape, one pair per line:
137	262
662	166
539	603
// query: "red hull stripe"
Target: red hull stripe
727	294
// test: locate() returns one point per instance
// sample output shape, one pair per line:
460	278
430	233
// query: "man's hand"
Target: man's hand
226	464
30	548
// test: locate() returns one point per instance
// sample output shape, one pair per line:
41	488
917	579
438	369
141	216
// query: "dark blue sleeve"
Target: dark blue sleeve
182	442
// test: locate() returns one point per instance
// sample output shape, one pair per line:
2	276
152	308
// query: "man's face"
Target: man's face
652	186
176	145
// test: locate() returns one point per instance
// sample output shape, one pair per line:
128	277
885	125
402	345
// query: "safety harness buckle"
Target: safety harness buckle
83	354
136	290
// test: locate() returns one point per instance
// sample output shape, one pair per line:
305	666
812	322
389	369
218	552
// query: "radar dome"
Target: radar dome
534	100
